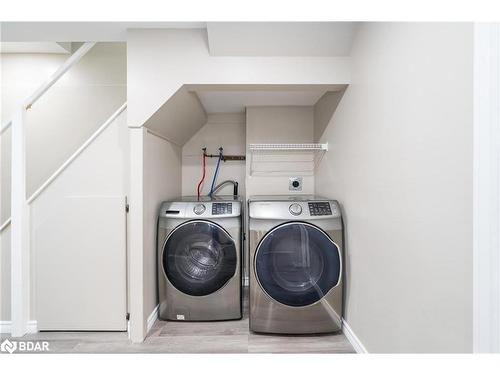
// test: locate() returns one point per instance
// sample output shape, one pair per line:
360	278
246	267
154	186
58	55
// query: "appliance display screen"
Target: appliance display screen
319	208
222	208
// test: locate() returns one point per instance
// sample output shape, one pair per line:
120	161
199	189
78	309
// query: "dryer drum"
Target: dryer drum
297	264
199	258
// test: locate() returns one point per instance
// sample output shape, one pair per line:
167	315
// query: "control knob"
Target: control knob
199	209
295	209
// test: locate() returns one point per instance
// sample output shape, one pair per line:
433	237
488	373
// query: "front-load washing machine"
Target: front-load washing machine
296	260
199	259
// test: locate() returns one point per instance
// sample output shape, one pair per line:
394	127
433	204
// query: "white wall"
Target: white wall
22	74
323	111
222	129
294	124
162	181
400	163
183	115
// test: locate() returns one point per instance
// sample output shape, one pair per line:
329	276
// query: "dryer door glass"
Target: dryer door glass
199	258
297	264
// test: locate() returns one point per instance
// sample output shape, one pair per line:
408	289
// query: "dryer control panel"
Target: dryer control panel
319	208
294	207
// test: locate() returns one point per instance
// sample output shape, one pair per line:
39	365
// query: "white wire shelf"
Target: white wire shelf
288	147
281	159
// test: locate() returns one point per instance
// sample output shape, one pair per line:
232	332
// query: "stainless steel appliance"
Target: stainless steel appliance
296	261
199	259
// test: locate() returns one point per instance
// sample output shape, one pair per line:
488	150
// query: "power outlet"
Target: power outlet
295	184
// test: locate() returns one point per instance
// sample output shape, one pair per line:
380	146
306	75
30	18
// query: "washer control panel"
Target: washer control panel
319	208
222	208
194	208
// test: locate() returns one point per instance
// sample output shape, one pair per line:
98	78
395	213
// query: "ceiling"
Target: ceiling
235	98
82	31
224	38
280	38
237	101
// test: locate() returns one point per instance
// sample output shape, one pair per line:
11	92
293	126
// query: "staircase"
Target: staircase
69	165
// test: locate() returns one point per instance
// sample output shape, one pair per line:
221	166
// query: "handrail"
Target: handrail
5	126
66	65
5	225
76	153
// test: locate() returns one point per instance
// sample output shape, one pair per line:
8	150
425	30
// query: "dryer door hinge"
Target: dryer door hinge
127	316
127	207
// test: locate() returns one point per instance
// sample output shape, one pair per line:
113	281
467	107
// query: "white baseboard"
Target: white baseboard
6	326
32	326
353	339
152	318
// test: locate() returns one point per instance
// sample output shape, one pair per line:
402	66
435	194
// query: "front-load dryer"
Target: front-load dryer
199	259
296	260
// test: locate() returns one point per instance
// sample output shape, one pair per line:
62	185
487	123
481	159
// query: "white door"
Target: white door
80	272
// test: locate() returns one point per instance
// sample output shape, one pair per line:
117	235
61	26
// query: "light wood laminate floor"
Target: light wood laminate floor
193	337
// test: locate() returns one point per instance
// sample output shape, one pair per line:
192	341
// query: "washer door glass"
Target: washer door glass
199	258
297	264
